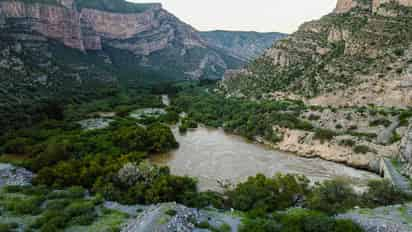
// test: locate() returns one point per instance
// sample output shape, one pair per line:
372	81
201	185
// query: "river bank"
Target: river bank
215	158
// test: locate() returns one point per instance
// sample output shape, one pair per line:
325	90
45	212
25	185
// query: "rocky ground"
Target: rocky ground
10	175
378	133
172	217
396	218
95	123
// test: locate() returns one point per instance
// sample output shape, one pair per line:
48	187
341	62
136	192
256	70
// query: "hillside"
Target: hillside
244	45
67	50
358	55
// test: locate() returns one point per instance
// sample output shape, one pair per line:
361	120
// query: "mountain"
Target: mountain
241	44
83	49
359	54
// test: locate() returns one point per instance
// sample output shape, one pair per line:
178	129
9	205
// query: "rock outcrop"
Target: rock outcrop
10	175
154	36
244	45
344	6
394	218
406	153
176	217
358	58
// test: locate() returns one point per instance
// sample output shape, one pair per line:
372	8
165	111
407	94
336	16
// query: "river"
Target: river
211	155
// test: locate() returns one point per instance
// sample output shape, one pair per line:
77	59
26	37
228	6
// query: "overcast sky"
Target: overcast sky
255	15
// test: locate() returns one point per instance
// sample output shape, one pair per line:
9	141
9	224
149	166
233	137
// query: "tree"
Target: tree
333	196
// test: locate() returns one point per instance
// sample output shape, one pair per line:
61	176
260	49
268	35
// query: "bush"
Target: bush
324	134
382	192
260	225
347	142
333	196
8	227
361	149
20	206
18	146
268	194
161	138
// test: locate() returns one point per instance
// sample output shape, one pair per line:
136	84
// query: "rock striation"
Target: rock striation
344	6
358	58
154	36
244	45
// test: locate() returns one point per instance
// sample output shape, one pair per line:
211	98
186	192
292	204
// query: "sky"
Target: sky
257	15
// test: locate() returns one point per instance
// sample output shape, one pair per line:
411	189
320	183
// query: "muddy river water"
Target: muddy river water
211	155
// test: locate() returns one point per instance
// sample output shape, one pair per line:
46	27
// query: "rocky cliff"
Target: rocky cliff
360	54
244	45
83	49
148	32
344	6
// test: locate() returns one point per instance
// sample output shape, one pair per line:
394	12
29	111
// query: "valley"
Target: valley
214	157
119	116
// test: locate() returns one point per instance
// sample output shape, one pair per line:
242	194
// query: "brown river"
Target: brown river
211	155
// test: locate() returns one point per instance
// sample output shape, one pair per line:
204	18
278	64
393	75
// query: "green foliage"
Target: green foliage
297	220
246	118
324	134
380	121
362	149
268	194
161	138
333	196
20	206
9	227
382	192
187	123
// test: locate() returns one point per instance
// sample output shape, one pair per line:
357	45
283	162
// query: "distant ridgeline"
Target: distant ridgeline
359	54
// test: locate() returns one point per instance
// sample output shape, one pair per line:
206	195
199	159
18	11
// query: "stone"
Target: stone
11	175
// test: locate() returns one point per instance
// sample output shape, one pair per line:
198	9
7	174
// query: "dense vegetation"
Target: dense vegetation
246	118
46	210
112	164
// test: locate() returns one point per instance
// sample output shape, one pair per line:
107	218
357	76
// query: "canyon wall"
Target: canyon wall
86	29
344	6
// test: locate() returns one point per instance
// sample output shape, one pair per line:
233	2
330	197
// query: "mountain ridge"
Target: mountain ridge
355	58
245	45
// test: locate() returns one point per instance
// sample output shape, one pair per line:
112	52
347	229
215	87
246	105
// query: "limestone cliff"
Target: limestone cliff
344	6
140	29
360	54
81	49
244	45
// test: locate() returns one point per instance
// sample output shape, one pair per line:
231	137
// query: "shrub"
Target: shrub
361	149
333	196
347	142
314	117
20	206
171	212
8	227
18	146
382	192
268	194
324	134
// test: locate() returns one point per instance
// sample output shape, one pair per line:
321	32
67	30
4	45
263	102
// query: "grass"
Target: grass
40	208
110	221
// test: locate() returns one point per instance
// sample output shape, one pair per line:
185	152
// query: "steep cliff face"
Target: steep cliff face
355	58
344	6
85	49
148	32
244	45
